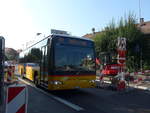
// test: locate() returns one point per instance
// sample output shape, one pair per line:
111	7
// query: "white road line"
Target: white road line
73	106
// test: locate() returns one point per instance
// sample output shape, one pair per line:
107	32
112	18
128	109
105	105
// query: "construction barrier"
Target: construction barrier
121	85
16	99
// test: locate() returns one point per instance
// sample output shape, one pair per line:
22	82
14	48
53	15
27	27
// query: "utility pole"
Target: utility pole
139	10
2	49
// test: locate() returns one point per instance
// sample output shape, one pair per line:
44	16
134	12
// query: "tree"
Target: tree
11	54
126	27
33	56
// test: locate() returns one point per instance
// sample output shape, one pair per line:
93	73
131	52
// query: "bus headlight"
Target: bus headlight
55	82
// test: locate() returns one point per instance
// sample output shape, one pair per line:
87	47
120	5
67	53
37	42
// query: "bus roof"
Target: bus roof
63	35
71	36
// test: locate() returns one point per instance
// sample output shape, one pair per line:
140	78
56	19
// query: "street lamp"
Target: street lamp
139	10
38	34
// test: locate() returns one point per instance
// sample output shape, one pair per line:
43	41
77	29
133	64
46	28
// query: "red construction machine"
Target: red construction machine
110	67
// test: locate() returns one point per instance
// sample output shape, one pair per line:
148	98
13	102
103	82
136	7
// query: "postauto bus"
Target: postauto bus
61	62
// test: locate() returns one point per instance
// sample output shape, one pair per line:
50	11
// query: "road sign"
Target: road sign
121	56
121	43
54	31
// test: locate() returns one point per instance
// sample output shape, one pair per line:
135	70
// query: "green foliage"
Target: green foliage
6	58
146	66
10	54
106	40
33	56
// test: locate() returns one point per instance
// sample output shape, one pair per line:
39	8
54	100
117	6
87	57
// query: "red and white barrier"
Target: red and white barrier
16	100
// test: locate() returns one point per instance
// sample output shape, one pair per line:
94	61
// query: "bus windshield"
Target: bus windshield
74	58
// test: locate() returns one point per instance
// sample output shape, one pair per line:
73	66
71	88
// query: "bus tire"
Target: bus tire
21	75
36	78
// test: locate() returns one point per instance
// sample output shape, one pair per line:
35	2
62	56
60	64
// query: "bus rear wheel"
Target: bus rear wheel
36	78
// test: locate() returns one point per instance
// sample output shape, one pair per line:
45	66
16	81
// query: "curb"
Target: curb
132	86
140	87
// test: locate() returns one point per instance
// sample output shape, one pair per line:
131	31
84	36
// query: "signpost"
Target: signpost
2	54
121	48
14	100
54	31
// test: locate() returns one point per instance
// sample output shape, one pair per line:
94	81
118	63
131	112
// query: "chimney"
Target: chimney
141	20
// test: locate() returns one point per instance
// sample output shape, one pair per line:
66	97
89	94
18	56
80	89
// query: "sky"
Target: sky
21	20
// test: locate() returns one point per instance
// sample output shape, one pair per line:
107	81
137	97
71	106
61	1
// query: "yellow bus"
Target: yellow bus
60	62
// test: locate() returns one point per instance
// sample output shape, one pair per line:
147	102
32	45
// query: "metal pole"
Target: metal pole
2	49
139	10
141	61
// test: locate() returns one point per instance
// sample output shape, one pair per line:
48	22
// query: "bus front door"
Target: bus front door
44	69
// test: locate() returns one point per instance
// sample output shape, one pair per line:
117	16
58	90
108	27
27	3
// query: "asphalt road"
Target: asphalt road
41	103
88	101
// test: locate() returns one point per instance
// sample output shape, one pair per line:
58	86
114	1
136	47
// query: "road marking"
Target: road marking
73	106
